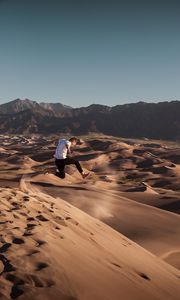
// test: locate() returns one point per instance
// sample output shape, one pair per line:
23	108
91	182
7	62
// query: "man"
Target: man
62	159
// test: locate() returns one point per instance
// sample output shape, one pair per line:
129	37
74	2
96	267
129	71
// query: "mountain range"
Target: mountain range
148	120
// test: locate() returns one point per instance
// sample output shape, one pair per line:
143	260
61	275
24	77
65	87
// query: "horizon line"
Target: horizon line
58	102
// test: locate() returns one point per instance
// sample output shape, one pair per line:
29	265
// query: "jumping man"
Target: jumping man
62	157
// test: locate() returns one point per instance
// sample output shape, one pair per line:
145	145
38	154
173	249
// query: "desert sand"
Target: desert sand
113	236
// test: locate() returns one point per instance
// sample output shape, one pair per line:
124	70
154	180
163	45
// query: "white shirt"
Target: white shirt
62	149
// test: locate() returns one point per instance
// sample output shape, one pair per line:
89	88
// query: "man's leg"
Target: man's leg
61	168
72	161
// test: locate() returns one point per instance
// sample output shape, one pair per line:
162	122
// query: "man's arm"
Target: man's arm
68	146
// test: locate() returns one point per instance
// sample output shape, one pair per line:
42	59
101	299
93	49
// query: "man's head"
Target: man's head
73	141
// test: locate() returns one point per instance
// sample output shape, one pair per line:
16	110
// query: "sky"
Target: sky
81	52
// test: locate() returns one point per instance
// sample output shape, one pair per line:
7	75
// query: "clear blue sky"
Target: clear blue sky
84	52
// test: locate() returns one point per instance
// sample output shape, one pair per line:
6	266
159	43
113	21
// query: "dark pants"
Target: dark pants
61	163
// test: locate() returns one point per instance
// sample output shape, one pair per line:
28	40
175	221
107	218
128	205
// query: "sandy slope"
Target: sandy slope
52	250
154	229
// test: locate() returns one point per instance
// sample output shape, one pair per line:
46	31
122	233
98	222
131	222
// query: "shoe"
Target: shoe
60	175
84	175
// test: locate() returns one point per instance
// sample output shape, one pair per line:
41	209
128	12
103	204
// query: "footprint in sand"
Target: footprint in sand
18	241
31	225
57	227
26	198
16	216
7	265
61	221
13	193
15	205
42	218
5	247
40	243
143	275
41	265
14	279
71	220
127	242
16	291
116	265
28	229
3	222
31	219
23	214
27	233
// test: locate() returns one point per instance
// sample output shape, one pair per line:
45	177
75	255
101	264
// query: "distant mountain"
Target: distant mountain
150	120
57	108
19	105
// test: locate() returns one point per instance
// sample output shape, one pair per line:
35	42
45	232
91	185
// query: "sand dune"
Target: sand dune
111	236
141	223
50	249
